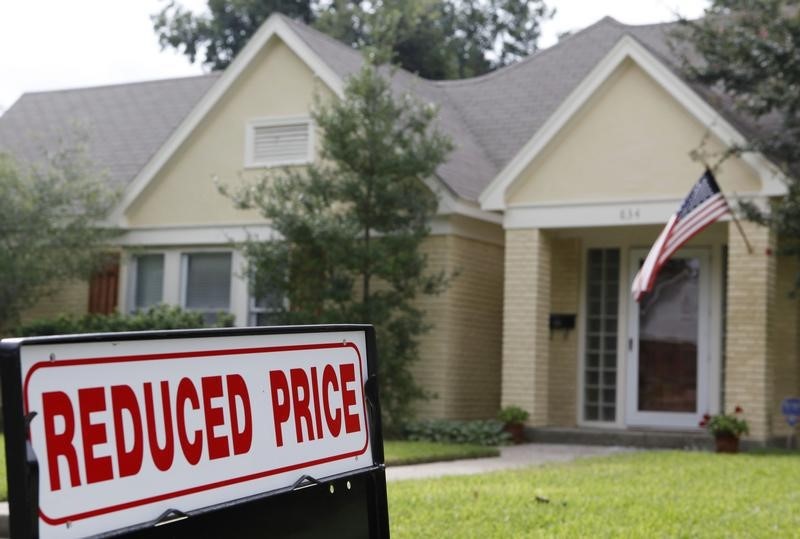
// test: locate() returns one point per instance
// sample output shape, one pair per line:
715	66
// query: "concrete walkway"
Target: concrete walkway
515	456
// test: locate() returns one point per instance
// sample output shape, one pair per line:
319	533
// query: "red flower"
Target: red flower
738	410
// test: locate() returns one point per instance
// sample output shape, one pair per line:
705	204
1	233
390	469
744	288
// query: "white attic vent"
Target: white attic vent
273	142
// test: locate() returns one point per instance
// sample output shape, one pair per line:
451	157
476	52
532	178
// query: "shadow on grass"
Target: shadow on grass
773	452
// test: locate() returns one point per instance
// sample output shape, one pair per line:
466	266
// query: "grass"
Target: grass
404	452
647	494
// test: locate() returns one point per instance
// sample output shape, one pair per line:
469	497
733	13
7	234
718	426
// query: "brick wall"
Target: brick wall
460	355
751	334
786	345
71	298
564	298
526	339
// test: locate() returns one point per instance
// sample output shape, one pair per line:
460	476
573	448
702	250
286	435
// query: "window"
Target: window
262	310
207	284
600	367
278	141
148	281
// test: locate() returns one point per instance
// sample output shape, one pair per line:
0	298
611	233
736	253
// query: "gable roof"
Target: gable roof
133	129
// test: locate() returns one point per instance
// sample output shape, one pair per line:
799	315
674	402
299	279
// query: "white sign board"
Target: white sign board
128	429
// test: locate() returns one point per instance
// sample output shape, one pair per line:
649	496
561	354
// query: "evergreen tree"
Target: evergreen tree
750	49
49	233
349	228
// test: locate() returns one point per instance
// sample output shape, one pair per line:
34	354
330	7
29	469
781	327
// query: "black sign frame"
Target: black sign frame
347	505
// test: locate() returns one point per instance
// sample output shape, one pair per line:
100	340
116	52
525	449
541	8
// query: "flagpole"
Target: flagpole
741	231
733	214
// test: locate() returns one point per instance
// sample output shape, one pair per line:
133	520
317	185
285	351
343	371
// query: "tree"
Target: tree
750	49
438	39
49	229
350	226
224	31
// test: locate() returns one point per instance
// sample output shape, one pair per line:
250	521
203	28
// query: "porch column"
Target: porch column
526	334
749	354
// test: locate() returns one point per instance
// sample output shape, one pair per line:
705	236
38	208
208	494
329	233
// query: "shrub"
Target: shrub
160	317
481	432
512	414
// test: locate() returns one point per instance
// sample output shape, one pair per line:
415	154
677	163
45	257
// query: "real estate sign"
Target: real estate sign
116	431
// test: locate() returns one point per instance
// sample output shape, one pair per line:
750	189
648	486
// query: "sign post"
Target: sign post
790	407
232	432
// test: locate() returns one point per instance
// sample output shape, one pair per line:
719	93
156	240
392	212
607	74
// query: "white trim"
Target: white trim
276	121
450	203
705	336
274	26
493	197
187	235
602	213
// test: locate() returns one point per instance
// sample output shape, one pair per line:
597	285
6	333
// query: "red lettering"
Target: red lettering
92	400
300	403
162	456
123	398
187	392
217	445
242	439
57	403
280	410
347	373
315	396
329	379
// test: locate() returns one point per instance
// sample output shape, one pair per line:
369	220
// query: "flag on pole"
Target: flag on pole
704	205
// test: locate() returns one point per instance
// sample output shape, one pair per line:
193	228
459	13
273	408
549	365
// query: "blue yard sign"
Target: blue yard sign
791	410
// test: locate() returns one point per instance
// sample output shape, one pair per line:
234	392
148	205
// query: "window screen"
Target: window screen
149	285
208	283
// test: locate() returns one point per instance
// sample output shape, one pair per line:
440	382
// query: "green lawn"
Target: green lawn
647	494
404	452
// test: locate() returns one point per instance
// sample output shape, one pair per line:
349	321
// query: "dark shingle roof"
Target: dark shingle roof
489	118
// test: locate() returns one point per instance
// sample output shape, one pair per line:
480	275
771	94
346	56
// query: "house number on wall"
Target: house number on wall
628	214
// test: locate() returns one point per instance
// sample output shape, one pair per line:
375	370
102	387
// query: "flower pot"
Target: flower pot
517	432
726	443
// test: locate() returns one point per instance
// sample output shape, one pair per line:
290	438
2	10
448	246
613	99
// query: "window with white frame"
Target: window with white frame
273	142
263	310
207	283
148	281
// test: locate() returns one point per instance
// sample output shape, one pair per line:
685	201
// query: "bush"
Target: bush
513	414
160	317
486	432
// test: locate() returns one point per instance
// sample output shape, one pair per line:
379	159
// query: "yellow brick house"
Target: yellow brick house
566	167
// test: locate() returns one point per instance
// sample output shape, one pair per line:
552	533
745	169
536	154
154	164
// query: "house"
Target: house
566	167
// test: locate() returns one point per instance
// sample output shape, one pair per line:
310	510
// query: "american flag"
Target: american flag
704	205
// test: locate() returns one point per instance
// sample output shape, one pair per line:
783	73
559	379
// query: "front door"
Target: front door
668	345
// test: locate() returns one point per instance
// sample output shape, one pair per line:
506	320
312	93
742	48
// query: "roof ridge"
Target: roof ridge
120	84
319	33
530	58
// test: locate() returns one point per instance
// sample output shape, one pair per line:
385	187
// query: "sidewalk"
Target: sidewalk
515	456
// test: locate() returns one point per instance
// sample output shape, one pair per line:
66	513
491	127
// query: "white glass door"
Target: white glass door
668	344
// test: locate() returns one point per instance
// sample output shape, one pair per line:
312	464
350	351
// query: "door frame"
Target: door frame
705	334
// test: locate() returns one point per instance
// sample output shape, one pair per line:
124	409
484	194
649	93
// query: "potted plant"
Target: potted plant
513	418
726	429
